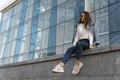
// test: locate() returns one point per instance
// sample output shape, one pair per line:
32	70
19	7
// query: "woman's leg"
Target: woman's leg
80	46
66	57
68	54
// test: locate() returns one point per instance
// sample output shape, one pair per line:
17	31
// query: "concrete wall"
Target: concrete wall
99	64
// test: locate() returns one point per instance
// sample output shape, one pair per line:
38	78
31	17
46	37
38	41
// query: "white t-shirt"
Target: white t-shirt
83	33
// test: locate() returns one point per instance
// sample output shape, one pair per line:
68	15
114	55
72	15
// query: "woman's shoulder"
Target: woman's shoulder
80	25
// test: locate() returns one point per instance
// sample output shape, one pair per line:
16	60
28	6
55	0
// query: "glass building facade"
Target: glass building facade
35	29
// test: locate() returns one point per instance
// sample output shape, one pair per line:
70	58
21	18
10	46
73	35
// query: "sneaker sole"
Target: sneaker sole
54	71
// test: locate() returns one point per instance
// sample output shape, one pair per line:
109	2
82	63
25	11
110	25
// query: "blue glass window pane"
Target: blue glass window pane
69	31
45	38
32	42
115	38
17	48
18	8
79	7
5	50
45	5
1	22
60	1
23	15
60	34
35	20
24	4
36	8
34	29
70	11
31	55
61	13
15	58
35	24
53	20
104	40
114	17
42	21
48	13
113	1
54	3
39	40
52	37
20	30
101	4
34	1
3	61
51	51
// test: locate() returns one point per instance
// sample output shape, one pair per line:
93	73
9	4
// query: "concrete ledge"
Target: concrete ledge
115	47
99	64
97	50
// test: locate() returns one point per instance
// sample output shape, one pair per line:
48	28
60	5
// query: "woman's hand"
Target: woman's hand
91	46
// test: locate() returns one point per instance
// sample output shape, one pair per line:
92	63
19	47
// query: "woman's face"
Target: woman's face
82	16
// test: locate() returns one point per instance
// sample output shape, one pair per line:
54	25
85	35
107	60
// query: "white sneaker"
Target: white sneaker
76	69
58	69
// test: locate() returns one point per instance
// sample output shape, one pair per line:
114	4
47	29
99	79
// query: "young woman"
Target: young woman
83	40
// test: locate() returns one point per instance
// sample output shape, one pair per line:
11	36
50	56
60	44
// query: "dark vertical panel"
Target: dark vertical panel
52	31
34	28
114	21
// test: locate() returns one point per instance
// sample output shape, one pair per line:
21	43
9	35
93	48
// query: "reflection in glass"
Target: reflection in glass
101	4
38	40
115	38
70	10
101	26
113	1
38	28
114	17
60	1
32	41
60	34
51	51
69	31
45	38
29	12
59	49
24	44
61	13
42	21
36	9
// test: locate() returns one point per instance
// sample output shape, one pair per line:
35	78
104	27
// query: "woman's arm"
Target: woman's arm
90	40
75	39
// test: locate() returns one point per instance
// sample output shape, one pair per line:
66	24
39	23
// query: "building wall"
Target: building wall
38	28
35	29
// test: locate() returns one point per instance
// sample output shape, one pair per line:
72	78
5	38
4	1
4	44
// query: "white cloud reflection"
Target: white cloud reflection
2	3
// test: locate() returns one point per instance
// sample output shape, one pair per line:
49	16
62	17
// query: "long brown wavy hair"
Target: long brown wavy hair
87	19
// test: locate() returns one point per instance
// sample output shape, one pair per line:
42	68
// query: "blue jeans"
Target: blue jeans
77	49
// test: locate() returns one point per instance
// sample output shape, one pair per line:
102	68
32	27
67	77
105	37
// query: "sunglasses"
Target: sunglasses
81	15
